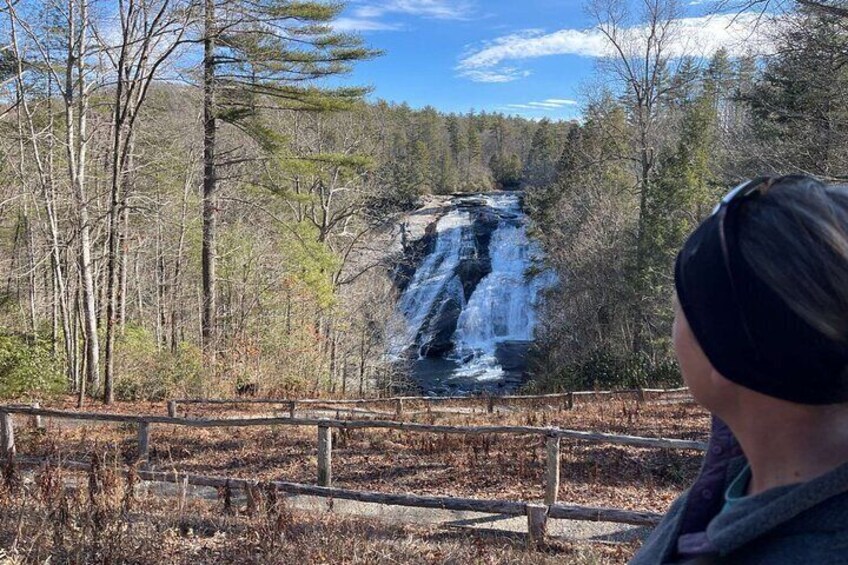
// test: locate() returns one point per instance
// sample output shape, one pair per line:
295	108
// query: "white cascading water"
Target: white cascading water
435	274
501	307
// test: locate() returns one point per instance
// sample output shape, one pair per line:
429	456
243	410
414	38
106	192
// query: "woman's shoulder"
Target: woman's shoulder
819	545
806	523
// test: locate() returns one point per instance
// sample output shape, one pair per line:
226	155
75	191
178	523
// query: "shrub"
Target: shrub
27	366
606	370
145	372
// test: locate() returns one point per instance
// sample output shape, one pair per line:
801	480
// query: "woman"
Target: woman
761	335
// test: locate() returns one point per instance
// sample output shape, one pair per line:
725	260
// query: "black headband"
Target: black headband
749	334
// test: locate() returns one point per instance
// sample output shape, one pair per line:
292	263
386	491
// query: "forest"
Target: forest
194	197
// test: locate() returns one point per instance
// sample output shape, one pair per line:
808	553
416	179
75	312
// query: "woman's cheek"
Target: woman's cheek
694	365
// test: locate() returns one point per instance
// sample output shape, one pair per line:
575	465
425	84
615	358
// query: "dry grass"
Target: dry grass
104	520
504	467
496	466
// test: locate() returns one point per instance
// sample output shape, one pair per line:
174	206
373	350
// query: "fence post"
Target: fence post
399	408
641	394
7	435
325	456
490	404
553	471
291	409
37	422
569	401
143	442
172	408
537	524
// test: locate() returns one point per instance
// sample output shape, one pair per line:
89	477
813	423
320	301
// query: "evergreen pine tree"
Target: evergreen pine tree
540	169
259	54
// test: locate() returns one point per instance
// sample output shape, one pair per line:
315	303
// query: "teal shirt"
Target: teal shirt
801	523
738	489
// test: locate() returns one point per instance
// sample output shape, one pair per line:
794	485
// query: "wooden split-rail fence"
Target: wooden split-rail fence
537	514
564	400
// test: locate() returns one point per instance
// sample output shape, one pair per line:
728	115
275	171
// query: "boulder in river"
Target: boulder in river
512	355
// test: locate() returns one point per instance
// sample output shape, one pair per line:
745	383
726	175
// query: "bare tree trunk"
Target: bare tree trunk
333	339
75	338
10	277
83	359
54	315
76	123
288	309
138	286
344	379
210	197
175	281
124	262
638	344
160	290
112	261
31	273
362	362
59	272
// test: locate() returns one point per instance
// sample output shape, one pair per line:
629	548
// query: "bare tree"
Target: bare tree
151	31
42	158
639	61
76	94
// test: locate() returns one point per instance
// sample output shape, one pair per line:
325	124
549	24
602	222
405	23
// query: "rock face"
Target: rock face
412	255
416	238
471	272
441	326
466	303
512	355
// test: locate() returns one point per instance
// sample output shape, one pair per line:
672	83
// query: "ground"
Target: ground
502	467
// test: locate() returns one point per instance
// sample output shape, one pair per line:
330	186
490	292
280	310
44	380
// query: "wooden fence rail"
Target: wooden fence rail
536	521
591	437
566	399
535	515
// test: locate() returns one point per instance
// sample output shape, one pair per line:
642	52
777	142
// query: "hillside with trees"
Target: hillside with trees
160	237
208	226
660	144
187	206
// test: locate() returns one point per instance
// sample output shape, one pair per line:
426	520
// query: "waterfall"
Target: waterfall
432	277
468	312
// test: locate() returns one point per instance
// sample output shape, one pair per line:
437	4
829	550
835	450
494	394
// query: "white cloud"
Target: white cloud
503	74
372	10
695	36
530	44
362	24
549	105
545	105
371	15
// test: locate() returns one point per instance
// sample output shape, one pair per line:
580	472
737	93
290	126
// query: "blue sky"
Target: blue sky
523	57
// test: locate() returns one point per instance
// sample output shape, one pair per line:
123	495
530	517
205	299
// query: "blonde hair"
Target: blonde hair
795	237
